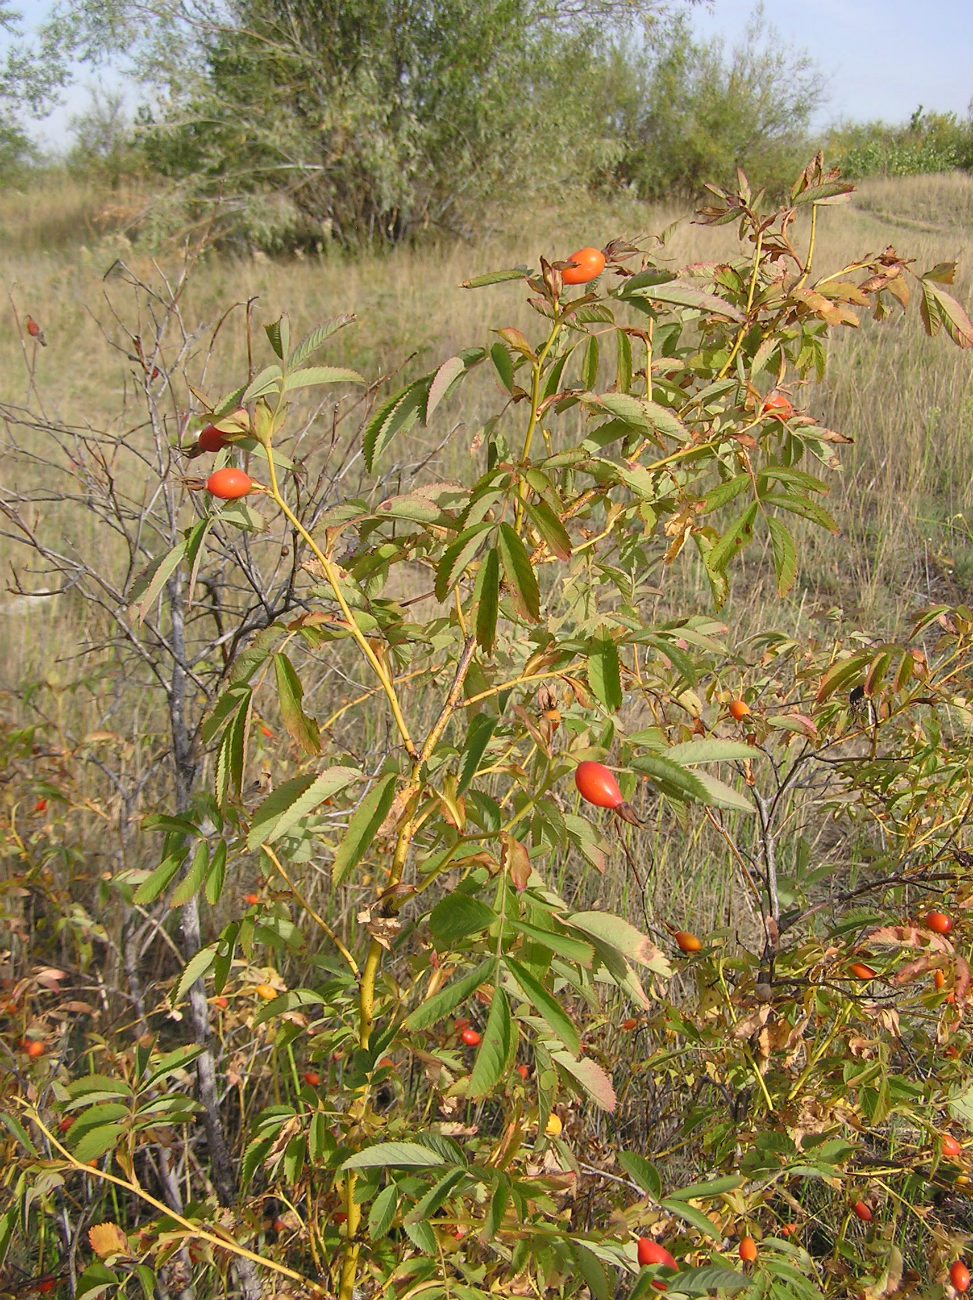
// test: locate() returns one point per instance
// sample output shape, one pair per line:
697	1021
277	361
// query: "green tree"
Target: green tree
374	117
691	111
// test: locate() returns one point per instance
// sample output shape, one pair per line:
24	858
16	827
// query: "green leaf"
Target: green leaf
160	1067
711	750
95	1142
594	1273
418	507
314	375
550	529
623	937
562	945
192	881
458	915
733	540
725	492
723	795
679	293
382	1212
785	554
229	703
216	875
546	1005
158	880
496	1049
826	190
592	1078
518	572
268	381
92	1087
152	579
481	729
496	1208
396	415
294	799
394	1155
603	670
589	364
486	598
623	377
95	1281
427	1206
672	779
231	755
457	556
500	356
641	1171
802	506
552	383
312	341
496	277
17	1131
422	1237
8	1221
367	818
197	966
623	406
693	1216
713	1187
713	1278
442	1003
840	674
278	332
452	369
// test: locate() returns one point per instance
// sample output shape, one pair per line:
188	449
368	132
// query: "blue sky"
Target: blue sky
879	58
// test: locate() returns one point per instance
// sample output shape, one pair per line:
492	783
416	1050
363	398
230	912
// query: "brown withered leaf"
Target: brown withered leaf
49	977
962	983
383	929
515	859
751	1024
392	816
908	936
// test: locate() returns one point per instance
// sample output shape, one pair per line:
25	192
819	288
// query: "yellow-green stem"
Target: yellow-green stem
366	1021
331	573
810	246
535	395
194	1230
751	294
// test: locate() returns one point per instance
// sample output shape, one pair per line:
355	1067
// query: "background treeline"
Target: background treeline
303	123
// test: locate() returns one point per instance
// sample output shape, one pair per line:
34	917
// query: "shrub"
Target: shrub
393	985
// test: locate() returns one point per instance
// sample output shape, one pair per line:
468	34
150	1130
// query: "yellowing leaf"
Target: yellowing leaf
108	1239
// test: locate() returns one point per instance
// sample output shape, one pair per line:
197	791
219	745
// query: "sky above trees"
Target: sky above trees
880	58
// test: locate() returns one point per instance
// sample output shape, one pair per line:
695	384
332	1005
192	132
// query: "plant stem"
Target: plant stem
751	294
331	573
535	396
